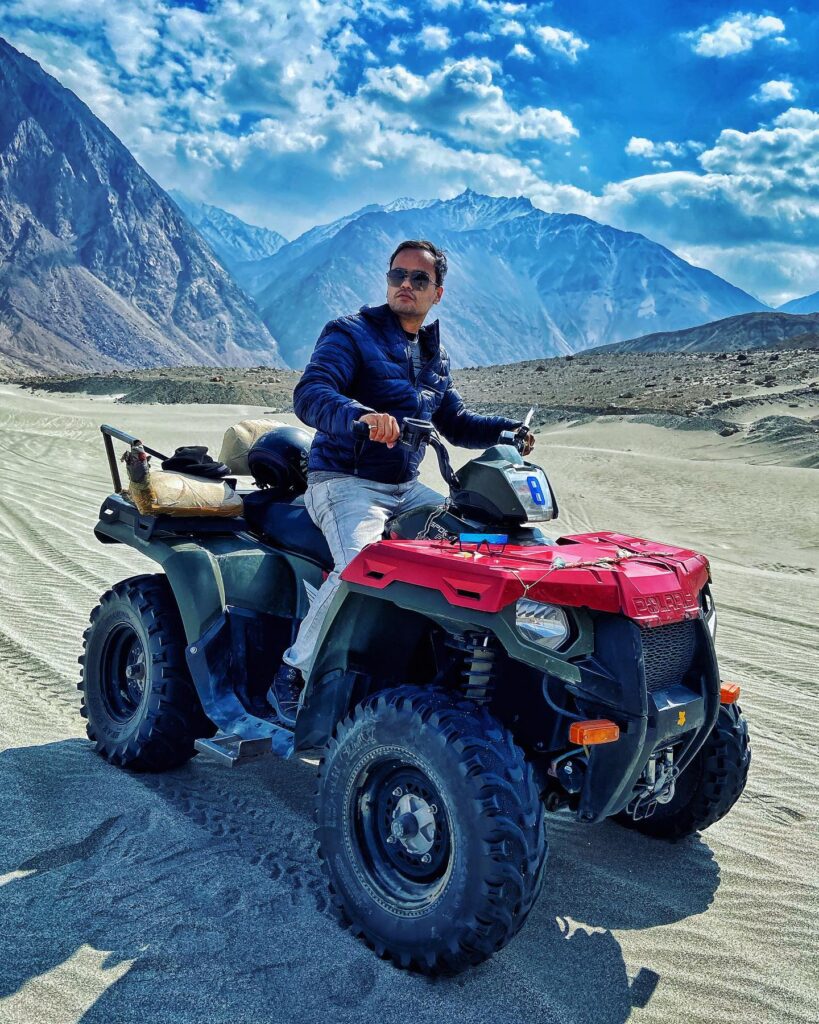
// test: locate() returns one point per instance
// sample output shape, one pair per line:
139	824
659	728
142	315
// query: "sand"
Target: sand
196	895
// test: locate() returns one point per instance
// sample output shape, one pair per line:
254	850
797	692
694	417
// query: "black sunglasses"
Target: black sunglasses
419	279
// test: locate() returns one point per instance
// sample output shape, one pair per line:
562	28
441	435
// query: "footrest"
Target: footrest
232	750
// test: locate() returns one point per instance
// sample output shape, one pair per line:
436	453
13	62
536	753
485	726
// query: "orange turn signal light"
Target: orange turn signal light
728	693
596	730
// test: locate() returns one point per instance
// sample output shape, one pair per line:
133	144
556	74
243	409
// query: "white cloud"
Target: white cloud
774	91
640	147
797	117
735	34
778	166
755	188
397	83
396	46
658	151
512	28
463	101
381	10
348	38
478	37
521	52
440	5
566	43
435	37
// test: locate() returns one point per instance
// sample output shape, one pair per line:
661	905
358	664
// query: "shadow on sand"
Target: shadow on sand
204	884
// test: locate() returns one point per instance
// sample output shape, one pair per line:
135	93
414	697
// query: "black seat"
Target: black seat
288	526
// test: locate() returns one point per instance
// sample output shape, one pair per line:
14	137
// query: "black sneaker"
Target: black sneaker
283	695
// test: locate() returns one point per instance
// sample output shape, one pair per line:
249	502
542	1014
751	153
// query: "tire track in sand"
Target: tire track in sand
252	820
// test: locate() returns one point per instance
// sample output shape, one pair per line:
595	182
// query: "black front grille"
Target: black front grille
667	653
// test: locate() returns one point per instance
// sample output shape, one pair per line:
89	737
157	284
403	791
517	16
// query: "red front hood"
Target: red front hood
649	582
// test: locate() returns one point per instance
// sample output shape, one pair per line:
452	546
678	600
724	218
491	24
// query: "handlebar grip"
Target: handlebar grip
361	430
520	437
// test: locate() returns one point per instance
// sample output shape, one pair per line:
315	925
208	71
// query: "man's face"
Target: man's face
402	299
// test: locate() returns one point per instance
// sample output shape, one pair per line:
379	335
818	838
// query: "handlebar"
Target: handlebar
415	433
517	438
361	430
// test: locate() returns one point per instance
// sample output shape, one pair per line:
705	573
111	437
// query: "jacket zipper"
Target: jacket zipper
411	375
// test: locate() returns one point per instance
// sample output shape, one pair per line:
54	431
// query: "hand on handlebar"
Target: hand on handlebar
383	427
528	441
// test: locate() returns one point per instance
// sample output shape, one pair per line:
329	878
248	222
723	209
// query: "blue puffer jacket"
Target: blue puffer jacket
363	363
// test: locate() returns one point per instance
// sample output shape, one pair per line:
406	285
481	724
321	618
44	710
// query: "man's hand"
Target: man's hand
383	427
523	433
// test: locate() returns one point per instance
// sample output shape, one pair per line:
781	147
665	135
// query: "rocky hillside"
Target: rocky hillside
594	382
753	330
98	267
522	283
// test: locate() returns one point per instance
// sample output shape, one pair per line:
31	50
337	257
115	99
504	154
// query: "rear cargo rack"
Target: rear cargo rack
115	509
108	433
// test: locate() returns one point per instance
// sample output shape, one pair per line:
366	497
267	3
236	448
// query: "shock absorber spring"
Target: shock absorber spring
478	660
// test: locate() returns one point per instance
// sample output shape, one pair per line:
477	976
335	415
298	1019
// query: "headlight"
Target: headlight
543	624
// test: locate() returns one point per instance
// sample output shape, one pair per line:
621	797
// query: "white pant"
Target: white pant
351	513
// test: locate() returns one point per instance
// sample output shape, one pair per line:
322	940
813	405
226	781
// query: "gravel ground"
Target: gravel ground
723	392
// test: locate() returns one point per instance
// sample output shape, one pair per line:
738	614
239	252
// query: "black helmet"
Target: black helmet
278	460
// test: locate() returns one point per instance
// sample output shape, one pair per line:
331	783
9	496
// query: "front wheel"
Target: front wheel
709	787
430	829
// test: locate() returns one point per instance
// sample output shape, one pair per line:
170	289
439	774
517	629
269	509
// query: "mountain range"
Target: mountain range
235	242
99	269
522	283
102	269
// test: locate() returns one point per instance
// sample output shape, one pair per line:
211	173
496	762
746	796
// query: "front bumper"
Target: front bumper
663	696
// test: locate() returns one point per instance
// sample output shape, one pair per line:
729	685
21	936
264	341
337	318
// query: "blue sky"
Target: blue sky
694	123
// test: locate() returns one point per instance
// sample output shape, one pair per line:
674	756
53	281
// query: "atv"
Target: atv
471	675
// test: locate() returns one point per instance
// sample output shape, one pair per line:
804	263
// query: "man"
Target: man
378	366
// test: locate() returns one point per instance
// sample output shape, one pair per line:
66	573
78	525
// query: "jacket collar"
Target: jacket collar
384	318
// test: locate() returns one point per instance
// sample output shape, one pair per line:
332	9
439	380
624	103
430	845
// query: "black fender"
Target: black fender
212	567
381	636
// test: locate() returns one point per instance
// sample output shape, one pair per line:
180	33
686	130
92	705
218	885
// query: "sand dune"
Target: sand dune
196	895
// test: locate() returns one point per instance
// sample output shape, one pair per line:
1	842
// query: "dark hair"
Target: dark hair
438	254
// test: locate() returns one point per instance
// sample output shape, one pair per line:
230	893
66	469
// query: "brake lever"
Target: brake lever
523	432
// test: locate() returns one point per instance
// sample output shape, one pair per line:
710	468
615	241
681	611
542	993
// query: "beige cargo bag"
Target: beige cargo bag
238	441
162	493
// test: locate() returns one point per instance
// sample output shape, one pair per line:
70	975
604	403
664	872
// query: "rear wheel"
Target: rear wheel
142	709
709	787
430	829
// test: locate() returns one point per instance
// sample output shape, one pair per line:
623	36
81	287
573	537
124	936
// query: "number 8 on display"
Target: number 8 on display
538	497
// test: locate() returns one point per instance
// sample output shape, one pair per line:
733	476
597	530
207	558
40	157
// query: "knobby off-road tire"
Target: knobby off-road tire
449	894
709	787
137	694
